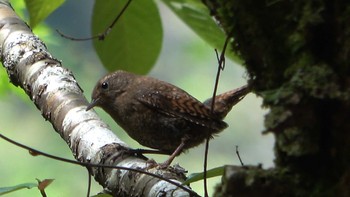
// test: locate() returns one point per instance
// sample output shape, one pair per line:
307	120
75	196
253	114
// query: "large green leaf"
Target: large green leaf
135	41
197	17
40	9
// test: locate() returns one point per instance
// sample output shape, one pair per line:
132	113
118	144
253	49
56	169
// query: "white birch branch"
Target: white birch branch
56	93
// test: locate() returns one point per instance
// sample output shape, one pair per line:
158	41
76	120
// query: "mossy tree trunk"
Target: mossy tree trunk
297	54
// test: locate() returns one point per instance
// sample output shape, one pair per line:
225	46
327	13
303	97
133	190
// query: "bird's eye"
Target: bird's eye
104	85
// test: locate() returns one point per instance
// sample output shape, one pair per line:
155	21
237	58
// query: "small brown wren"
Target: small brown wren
160	115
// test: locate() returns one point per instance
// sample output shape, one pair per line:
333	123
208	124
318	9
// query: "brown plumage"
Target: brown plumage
160	115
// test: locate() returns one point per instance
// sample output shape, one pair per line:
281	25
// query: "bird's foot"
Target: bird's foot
151	163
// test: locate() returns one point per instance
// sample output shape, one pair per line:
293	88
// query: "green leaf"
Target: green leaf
5	190
135	41
197	17
219	171
40	9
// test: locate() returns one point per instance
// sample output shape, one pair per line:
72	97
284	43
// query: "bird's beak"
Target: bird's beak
93	103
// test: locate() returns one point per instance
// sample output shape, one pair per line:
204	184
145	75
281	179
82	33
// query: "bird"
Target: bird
160	115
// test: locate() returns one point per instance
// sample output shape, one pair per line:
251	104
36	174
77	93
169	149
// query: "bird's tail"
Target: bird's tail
224	102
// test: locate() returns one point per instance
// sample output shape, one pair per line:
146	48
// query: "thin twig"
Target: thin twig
239	157
100	36
221	66
96	165
89	181
205	166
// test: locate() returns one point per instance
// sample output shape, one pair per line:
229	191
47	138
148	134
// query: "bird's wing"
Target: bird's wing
178	103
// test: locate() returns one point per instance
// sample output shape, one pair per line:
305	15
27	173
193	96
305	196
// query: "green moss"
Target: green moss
318	81
276	117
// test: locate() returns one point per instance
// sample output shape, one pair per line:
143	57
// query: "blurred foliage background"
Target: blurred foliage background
185	60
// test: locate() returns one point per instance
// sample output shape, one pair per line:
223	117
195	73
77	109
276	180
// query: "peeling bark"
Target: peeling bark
56	93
